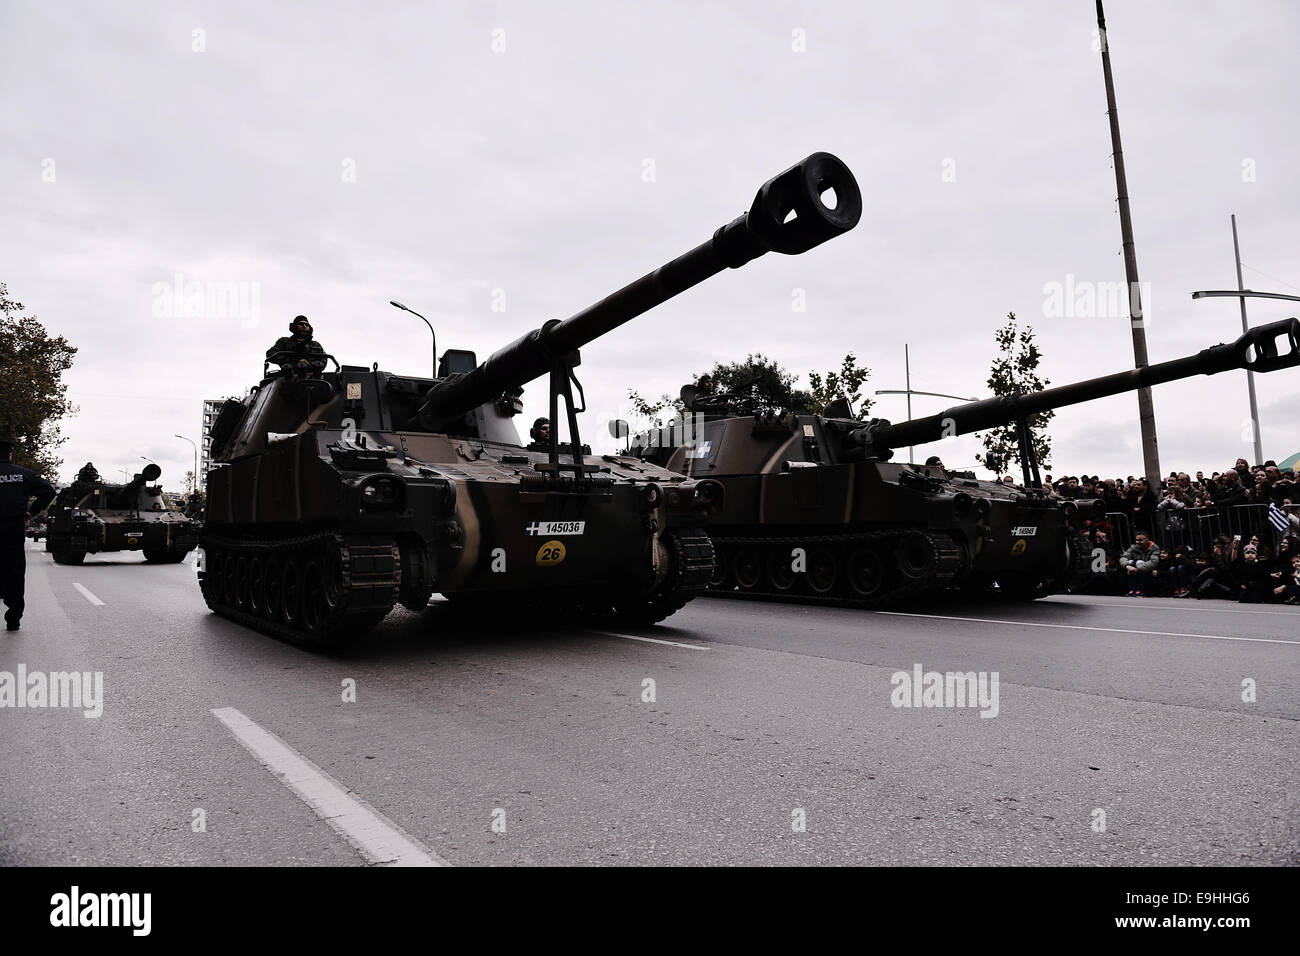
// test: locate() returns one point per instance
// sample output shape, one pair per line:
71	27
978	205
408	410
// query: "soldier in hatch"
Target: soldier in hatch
540	434
298	355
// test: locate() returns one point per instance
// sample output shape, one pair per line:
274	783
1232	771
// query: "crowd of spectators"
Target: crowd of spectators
1149	544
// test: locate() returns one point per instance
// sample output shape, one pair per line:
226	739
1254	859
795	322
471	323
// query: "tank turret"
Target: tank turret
125	496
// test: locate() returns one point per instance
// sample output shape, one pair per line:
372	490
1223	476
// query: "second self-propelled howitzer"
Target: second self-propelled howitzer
814	508
333	498
93	516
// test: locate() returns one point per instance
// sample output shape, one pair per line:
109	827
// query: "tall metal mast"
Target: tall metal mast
1146	408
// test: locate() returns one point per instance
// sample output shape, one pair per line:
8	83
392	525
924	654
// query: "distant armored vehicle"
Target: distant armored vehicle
333	499
92	516
814	509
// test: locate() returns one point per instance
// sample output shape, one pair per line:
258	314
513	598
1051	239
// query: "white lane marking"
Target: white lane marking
377	838
85	592
1199	606
1082	627
655	640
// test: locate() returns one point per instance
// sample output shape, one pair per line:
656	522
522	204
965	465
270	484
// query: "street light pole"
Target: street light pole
434	334
909	392
1250	376
1242	294
1137	322
196	460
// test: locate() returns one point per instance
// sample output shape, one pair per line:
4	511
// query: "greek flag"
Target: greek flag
1277	518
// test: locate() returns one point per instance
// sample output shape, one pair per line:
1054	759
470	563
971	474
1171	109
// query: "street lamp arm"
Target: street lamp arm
406	308
195	486
912	391
1243	294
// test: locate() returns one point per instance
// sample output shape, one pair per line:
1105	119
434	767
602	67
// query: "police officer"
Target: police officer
18	487
540	434
307	358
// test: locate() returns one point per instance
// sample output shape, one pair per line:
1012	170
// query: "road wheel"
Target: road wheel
332	577
866	572
241	583
256	586
213	560
291	592
721	576
914	557
747	569
823	573
272	572
315	610
228	578
780	574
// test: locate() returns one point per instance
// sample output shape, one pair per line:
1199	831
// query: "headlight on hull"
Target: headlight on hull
382	493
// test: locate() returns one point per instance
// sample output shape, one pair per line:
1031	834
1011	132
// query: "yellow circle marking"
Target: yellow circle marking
550	554
1018	547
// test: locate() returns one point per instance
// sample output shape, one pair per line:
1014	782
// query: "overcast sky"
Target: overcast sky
496	165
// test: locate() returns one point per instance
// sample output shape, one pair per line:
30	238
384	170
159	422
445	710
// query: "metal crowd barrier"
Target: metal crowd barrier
1121	533
1196	528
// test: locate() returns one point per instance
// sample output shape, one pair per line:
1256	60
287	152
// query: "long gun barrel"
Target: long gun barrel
123	497
811	202
1258	350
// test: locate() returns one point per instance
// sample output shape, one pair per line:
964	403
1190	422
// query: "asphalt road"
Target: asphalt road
771	737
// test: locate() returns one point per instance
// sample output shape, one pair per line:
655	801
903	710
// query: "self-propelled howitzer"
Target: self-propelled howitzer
337	497
814	509
93	516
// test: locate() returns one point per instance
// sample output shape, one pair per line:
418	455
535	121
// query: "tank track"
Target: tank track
693	560
910	563
339	591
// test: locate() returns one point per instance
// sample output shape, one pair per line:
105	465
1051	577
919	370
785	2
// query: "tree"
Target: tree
33	396
763	379
846	384
652	411
1014	372
771	386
